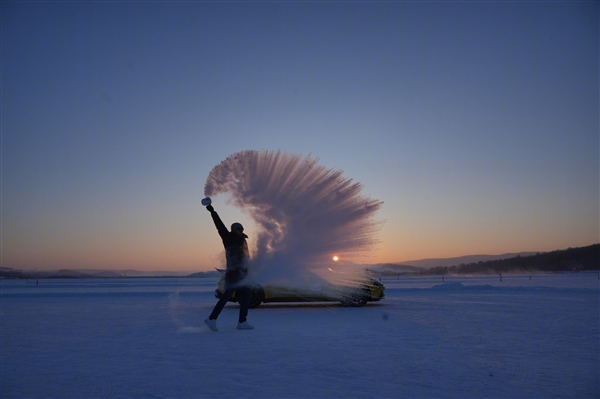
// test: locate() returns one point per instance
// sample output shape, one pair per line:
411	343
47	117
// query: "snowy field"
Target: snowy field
464	337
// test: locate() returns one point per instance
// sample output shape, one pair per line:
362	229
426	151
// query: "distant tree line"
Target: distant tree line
63	273
66	273
14	274
582	258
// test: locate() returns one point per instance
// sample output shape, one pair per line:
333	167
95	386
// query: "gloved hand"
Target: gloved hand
210	208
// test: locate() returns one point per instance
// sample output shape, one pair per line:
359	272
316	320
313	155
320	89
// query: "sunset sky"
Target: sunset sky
476	123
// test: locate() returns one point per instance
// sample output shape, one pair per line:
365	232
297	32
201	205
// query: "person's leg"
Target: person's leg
243	294
221	304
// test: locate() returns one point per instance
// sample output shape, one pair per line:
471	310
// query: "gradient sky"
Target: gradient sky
477	123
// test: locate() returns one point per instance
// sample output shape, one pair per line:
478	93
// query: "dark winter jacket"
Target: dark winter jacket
236	251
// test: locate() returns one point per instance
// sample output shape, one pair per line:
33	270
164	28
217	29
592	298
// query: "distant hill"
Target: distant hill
583	258
213	273
394	269
7	272
107	274
138	273
571	259
432	262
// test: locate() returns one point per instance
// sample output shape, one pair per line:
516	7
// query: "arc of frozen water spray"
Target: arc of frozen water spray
304	211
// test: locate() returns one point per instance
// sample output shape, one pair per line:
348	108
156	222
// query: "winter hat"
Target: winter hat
237	226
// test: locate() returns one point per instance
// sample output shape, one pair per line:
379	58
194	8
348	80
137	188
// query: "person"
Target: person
237	256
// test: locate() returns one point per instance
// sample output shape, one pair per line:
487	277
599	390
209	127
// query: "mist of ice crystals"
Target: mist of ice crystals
305	213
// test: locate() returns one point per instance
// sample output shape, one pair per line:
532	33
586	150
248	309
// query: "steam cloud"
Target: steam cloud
304	212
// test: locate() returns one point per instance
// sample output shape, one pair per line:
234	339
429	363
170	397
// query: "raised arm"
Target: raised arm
223	232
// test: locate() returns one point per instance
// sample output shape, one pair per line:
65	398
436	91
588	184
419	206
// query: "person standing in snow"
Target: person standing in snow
237	256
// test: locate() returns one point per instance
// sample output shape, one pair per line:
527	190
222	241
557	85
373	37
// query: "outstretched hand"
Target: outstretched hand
210	208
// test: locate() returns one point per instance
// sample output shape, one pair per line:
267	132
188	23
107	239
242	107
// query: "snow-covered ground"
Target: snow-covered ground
464	337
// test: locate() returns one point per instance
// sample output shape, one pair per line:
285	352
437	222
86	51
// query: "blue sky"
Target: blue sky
475	123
